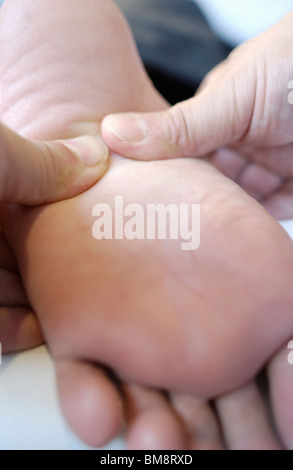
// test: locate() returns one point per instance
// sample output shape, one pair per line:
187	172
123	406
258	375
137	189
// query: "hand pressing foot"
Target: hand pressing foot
89	294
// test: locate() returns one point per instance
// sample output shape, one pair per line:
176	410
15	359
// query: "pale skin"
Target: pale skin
18	326
77	308
32	173
242	116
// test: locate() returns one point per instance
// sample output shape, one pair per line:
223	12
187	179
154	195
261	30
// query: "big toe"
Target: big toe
90	402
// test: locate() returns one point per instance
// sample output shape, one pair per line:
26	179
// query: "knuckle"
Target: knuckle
180	128
47	165
48	169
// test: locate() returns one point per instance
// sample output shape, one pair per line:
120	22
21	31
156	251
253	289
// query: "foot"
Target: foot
113	301
63	111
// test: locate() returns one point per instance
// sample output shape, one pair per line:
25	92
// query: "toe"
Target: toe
245	421
280	373
200	422
152	423
90	401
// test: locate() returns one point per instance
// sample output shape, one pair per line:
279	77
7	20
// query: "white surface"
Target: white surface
29	411
236	21
288	226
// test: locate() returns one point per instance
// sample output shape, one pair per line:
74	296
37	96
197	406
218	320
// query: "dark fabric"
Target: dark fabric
175	42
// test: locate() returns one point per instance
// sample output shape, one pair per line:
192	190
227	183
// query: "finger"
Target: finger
200	422
280	373
258	182
245	421
19	329
152	423
276	159
34	172
230	162
219	115
280	203
90	401
12	293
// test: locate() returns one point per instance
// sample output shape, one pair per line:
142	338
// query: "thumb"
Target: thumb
217	116
33	172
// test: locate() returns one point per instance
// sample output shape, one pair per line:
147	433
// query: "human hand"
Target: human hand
241	117
35	172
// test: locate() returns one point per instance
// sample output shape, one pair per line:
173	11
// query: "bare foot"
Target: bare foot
158	316
202	307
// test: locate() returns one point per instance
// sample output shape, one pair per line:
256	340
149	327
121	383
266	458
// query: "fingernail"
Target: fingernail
126	128
91	150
